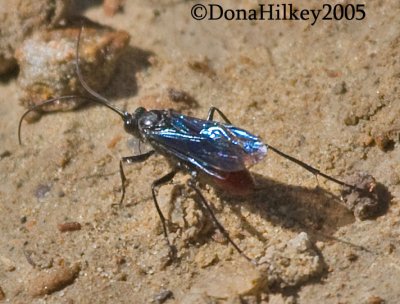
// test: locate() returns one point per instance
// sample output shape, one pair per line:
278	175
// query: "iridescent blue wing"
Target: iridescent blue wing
208	145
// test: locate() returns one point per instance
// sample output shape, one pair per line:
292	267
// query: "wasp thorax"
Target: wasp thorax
148	120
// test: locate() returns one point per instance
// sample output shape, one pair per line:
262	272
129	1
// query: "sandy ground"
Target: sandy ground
321	93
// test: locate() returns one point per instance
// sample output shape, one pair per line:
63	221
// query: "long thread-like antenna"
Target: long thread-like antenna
38	106
98	98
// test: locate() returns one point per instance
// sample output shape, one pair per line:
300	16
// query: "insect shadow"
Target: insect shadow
314	210
10	75
297	208
124	82
210	151
79	7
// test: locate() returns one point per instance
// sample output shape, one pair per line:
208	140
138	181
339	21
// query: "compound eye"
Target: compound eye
130	123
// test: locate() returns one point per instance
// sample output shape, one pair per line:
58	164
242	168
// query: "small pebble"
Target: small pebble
47	64
163	296
351	120
111	7
206	259
69	226
23	219
42	190
229	280
364	203
202	66
47	282
340	88
7	264
292	263
375	300
301	242
21	18
320	245
384	142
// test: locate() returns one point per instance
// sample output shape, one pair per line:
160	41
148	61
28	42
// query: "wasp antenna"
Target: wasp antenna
98	98
313	170
49	101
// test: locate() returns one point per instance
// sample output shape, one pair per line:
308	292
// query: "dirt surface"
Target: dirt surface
327	94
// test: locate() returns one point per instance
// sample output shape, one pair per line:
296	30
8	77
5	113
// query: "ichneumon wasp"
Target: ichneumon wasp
217	151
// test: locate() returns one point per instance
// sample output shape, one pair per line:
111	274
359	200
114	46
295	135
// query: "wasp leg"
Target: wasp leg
192	184
156	184
130	160
211	112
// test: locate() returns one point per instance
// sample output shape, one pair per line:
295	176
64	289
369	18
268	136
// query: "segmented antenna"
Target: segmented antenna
98	98
33	108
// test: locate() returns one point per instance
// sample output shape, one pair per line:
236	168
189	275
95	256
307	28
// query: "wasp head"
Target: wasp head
131	122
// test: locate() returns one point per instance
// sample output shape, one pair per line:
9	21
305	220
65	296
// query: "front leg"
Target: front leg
130	160
155	185
211	112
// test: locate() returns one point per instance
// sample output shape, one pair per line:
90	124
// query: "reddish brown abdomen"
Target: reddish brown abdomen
238	183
